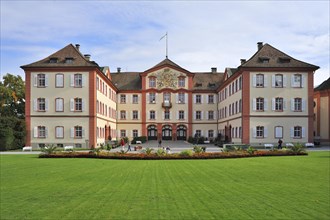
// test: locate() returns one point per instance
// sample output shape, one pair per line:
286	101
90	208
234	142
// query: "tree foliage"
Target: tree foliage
12	133
12	96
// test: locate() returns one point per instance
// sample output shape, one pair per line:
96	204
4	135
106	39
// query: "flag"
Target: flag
163	36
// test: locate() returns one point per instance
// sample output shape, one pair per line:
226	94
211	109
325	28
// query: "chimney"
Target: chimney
118	69
213	69
243	61
260	44
78	46
87	56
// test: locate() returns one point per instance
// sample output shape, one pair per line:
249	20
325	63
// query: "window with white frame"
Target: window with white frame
211	115
181	115
152	115
278	132
166	114
122	114
135	133
278	81
135	99
210	99
260	131
59	104
41	104
152	82
259	80
297	132
59	80
78	104
78	132
135	115
152	97
260	104
41	80
198	133
123	98
278	104
297	80
210	133
59	132
181	98
42	132
78	80
198	99
198	115
122	133
181	82
297	104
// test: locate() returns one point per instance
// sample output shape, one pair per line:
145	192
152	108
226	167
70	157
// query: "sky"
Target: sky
201	34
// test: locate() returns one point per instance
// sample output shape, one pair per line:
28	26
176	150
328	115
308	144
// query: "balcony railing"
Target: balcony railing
167	104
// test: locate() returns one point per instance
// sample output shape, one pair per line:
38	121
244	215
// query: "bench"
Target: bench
137	148
68	148
138	142
206	142
27	148
271	146
309	145
289	144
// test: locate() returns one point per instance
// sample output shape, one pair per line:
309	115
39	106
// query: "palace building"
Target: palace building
71	100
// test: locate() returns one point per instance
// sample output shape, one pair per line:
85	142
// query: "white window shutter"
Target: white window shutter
202	114
254	104
46	131
35	104
303	105
185	98
35	80
194	99
273	80
139	98
292	132
265	132
254	131
72	105
207	115
83	80
156	97
273	104
254	81
83	132
138	116
171	115
207	99
194	115
177	115
303	130
284	104
303	80
202	98
148	99
177	98
46	105
46	80
82	105
292	81
265	104
35	132
72	132
265	81
292	105
72	80
284	80
155	115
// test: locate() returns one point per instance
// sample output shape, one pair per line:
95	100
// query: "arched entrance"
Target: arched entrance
152	132
167	132
181	132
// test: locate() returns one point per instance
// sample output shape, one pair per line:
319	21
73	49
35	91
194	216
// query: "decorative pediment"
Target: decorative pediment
167	78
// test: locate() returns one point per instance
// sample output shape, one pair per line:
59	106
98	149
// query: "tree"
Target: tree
12	96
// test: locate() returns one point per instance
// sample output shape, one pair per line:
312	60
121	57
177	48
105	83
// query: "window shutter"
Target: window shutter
292	104
292	132
35	80
284	80
265	104
177	98
84	80
155	115
46	131
35	132
185	98
194	99
207	115
303	80
265	81
46	105
35	104
254	81
273	104
72	132
82	105
284	104
177	115
194	115
303	105
139	98
138	114
46	80
254	104
148	99
72	105
202	113
292	81
72	80
273	80
171	115
207	99
202	98
254	131
265	132
303	130
83	132
156	97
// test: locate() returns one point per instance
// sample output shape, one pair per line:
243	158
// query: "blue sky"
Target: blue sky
201	34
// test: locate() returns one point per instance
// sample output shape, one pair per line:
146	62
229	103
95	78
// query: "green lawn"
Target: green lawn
250	188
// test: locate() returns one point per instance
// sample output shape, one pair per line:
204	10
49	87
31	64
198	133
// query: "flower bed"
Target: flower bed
174	156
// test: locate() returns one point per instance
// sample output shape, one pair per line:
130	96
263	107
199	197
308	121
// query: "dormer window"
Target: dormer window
264	59
53	60
284	60
211	84
198	85
68	60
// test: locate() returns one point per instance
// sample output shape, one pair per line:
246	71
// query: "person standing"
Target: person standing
160	143
129	147
122	143
279	144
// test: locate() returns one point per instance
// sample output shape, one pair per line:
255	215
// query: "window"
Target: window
210	133
297	132
53	60
260	132
211	115
198	99
41	80
230	90
236	85
77	80
135	133
59	105
181	98
181	115
240	82
230	110
135	99
78	104
211	99
41	132
152	97
152	115
41	104
181	82
198	133
167	97
123	115
135	115
152	82
68	60
167	115
198	115
78	145
236	107
297	80
59	132
78	132
240	106
297	104
122	133
260	104
278	104
278	132
122	99
59	81
259	80
278	81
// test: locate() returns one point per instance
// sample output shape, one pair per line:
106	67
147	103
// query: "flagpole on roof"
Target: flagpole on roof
166	35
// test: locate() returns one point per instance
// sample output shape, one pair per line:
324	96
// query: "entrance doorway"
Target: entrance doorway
167	132
181	132
152	132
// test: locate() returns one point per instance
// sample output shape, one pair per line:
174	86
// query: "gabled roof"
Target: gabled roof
207	81
69	51
276	59
167	62
324	86
127	80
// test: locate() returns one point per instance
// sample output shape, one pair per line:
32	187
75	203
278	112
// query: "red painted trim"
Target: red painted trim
310	98
143	112
190	107
92	108
28	108
246	107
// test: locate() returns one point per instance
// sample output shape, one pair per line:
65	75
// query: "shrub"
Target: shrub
191	140
198	149
297	148
186	153
237	148
160	152
48	149
147	151
250	150
109	147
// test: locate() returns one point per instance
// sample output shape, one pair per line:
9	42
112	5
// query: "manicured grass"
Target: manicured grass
249	188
